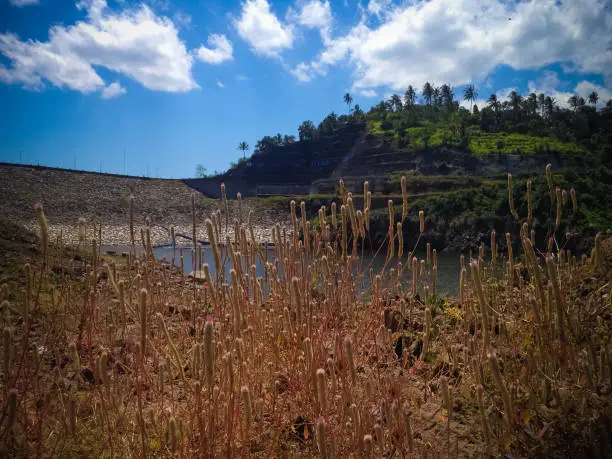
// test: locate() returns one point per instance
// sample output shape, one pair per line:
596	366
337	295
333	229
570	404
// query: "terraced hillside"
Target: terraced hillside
358	152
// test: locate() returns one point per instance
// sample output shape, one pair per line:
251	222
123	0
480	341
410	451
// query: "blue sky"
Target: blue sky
174	84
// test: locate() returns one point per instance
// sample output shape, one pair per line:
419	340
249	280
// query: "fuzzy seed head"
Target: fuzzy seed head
209	351
322	389
246	406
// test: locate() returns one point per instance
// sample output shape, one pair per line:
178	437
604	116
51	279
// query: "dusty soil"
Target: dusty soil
67	196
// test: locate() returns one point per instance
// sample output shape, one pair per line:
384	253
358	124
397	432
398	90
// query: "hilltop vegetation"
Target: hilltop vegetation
520	125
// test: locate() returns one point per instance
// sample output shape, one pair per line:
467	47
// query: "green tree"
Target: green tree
541	103
446	94
470	94
428	93
593	98
437	96
515	102
357	112
201	171
396	102
348	100
549	106
573	102
244	147
306	130
493	102
327	126
410	97
532	104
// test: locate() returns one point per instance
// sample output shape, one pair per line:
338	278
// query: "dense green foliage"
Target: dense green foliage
520	125
475	140
534	124
484	207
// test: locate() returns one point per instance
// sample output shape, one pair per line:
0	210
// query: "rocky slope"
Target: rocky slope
102	198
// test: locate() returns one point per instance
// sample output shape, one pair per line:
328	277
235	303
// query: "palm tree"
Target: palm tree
357	111
306	130
581	103
470	93
428	93
573	102
410	96
493	102
515	101
437	96
348	100
549	105
396	102
593	98
244	147
532	103
541	101
447	95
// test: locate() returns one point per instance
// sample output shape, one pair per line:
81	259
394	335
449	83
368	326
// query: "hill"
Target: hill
455	162
104	199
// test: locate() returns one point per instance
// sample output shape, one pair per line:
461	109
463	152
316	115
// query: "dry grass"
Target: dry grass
126	357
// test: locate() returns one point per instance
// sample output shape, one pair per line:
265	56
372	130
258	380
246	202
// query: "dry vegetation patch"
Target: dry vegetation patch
108	356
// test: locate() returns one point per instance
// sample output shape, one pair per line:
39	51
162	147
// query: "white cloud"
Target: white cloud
136	43
242	78
262	29
113	90
316	14
21	3
368	93
457	41
302	72
221	85
549	85
33	61
94	8
378	7
584	88
220	50
182	20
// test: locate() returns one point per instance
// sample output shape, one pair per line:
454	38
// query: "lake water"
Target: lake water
448	266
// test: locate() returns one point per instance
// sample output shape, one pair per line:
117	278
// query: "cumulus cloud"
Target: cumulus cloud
314	14
585	88
262	29
302	72
136	43
220	50
456	41
368	93
113	90
182	20
221	85
33	61
378	7
24	2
